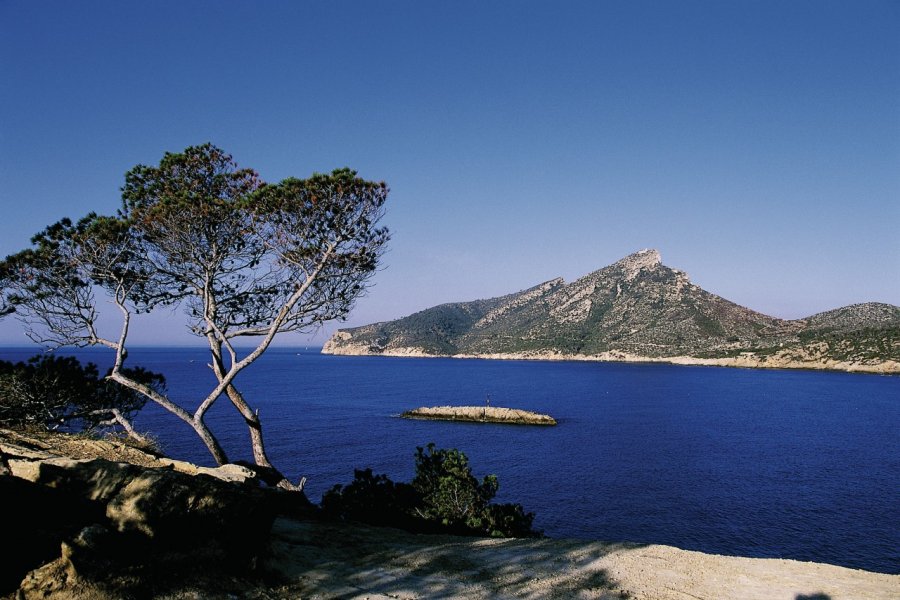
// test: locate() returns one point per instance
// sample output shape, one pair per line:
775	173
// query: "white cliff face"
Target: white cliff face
576	302
520	300
342	343
633	264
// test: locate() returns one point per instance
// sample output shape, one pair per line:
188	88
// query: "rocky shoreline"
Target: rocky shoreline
99	519
479	414
788	359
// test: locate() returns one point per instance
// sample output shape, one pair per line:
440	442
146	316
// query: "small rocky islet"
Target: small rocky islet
479	414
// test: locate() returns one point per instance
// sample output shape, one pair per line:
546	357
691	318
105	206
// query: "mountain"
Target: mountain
635	309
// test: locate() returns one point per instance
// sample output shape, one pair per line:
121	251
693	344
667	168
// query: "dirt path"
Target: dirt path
337	561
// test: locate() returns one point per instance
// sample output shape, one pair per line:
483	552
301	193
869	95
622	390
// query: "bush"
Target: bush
449	492
53	392
444	496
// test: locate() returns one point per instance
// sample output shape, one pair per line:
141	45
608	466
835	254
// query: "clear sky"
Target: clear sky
755	144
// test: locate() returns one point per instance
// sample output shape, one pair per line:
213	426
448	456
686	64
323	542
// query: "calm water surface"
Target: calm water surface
792	464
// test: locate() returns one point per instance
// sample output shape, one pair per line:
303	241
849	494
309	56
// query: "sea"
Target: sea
762	463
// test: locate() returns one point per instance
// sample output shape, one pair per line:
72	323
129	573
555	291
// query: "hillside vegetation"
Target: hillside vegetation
636	308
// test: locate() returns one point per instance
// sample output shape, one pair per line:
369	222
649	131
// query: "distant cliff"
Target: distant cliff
636	309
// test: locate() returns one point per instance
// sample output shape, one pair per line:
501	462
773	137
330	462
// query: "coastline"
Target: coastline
310	557
781	360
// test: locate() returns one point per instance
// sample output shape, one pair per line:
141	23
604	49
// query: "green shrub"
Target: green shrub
53	392
444	496
373	499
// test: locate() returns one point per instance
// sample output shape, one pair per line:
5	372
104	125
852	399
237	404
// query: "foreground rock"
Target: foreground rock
479	414
93	527
85	526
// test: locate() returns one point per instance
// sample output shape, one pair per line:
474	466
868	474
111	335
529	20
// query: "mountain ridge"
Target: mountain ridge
636	309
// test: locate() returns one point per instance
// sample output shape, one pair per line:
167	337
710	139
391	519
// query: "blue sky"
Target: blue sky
755	144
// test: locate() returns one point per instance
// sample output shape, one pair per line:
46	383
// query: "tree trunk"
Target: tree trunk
197	424
124	423
274	476
212	444
269	473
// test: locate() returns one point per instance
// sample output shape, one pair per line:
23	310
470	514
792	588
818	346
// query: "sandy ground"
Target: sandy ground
321	560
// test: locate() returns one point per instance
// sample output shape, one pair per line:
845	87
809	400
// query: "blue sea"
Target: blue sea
764	463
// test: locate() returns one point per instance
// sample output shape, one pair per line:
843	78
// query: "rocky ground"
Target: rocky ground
101	520
336	561
479	414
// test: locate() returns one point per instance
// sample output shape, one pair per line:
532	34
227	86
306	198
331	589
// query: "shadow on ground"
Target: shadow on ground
334	560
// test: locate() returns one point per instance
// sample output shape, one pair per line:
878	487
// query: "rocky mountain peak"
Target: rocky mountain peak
644	259
636	307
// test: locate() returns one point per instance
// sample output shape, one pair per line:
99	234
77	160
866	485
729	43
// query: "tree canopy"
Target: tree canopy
243	258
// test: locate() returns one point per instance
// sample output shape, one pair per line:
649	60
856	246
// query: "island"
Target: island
636	310
479	414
